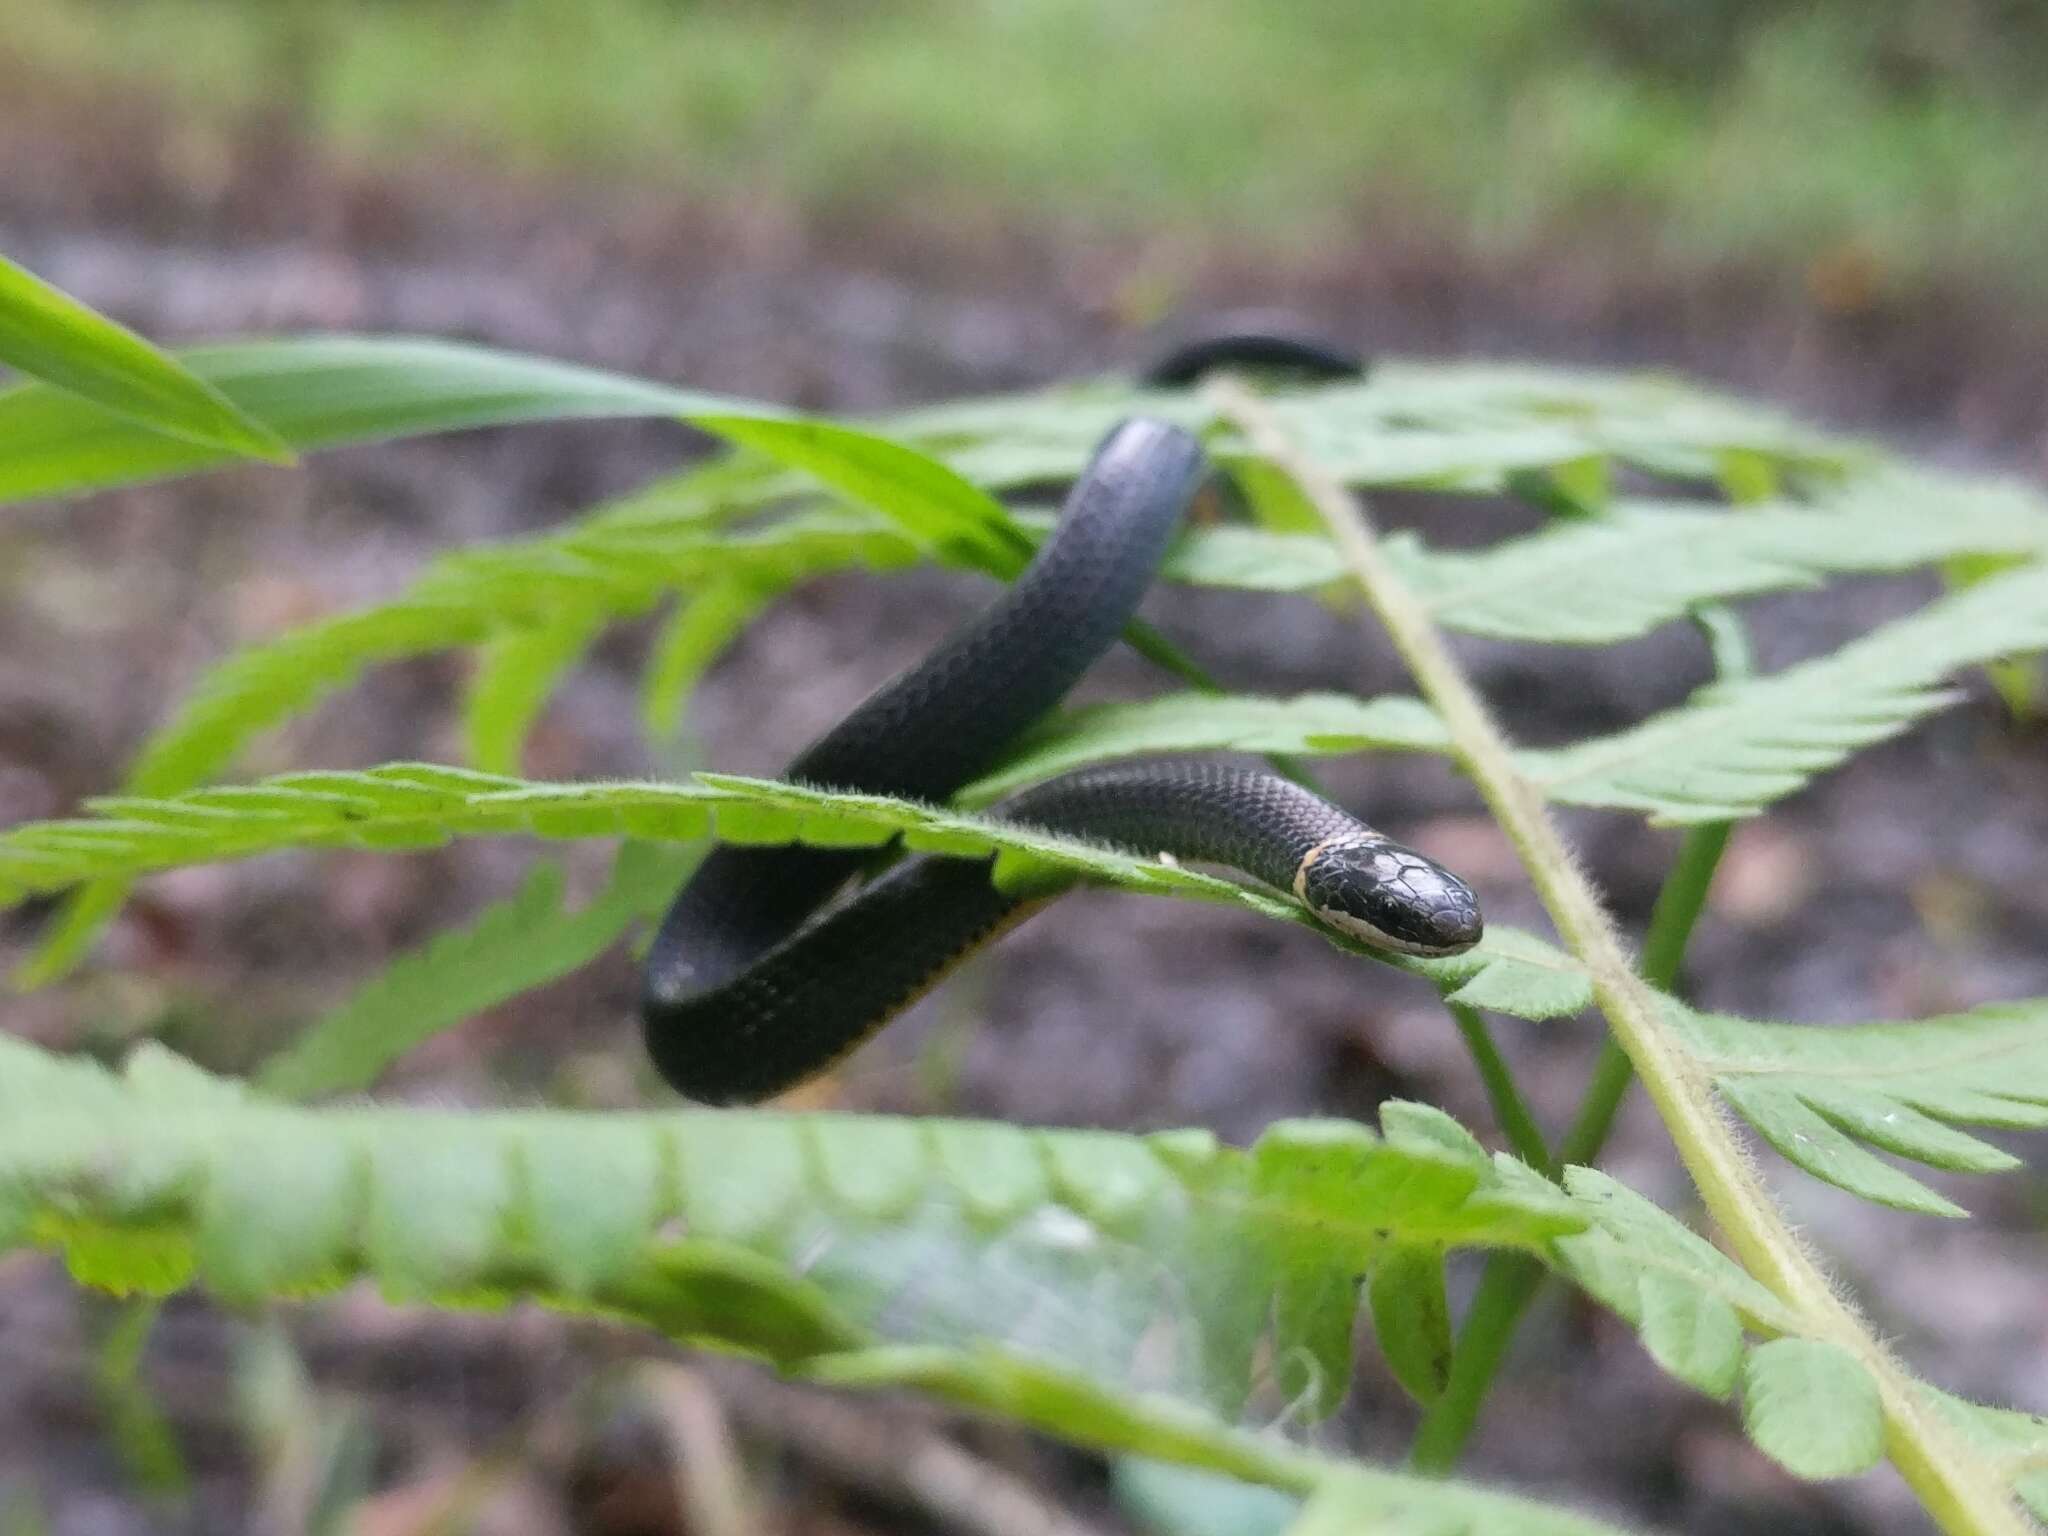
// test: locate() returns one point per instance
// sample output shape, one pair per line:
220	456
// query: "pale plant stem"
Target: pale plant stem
1960	1489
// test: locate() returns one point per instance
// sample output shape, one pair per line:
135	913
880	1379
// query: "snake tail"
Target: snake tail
1259	343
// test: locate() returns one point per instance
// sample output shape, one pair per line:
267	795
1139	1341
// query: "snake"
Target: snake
758	979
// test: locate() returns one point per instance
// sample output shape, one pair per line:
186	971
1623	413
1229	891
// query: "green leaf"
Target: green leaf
1186	1501
409	806
1470	427
1691	1332
1821	1093
319	392
1735	747
699	630
1356	1502
1812	1408
1575	488
511	947
1274	500
933	504
1460	426
1816	1144
1648	563
799	1234
1411	1317
1806	1403
471	597
516	673
1205	722
1631	1238
49	335
2018	1441
1513	972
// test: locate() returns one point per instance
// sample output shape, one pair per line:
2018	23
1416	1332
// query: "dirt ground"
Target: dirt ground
1904	884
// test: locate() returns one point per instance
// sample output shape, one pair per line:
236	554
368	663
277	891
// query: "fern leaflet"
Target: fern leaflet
1737	746
1820	1094
522	942
408	806
1070	1249
517	671
1647	563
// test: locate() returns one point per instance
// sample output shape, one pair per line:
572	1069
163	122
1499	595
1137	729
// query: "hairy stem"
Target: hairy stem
1959	1488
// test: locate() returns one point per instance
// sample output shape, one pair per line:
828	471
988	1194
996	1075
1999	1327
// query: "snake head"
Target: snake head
1389	896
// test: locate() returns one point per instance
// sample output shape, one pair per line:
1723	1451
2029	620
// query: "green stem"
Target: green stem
1512	1281
1506	1287
1679	902
1509	1107
1962	1489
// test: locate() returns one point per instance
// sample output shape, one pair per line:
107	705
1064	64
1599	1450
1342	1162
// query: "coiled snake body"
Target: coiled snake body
748	993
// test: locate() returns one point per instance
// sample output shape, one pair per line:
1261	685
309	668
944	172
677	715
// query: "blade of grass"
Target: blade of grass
49	335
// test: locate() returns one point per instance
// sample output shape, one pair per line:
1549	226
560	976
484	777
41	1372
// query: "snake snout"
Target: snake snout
1392	897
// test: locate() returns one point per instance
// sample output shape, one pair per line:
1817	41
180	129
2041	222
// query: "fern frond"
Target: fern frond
1647	563
517	671
1821	1094
1182	1501
1070	1249
1468	426
406	806
525	941
695	634
1211	722
1806	1403
463	600
1736	747
1039	1275
1707	1322
468	598
553	594
1006	1268
2018	1441
1458	426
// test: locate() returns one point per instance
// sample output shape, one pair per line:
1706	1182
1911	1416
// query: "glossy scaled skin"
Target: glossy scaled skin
1388	895
747	994
920	736
1260	344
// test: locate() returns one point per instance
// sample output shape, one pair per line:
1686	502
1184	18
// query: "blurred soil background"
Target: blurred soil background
1837	206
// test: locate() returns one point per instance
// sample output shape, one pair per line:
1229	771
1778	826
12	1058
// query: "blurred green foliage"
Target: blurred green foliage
1888	140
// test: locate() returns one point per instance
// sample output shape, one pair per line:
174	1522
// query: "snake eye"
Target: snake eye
1391	897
